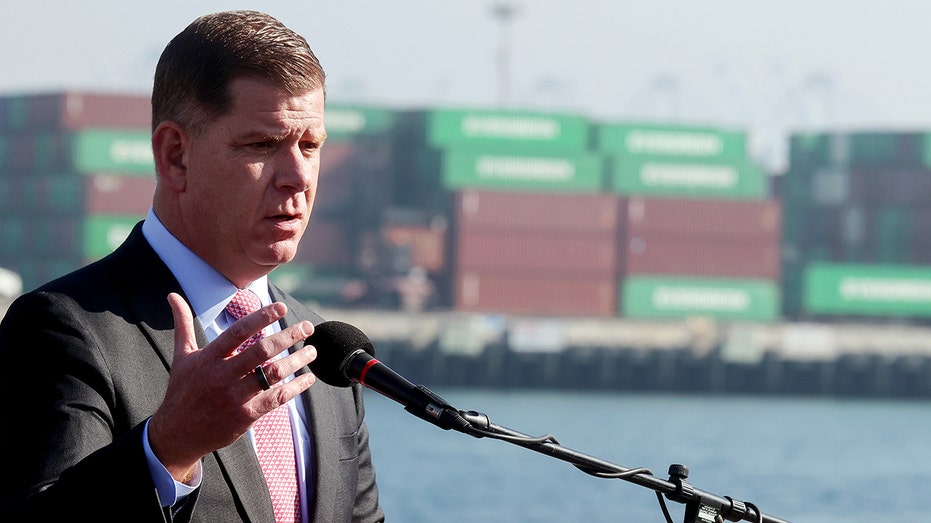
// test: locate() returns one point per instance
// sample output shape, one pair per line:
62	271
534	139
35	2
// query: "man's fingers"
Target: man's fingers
282	368
282	393
241	330
185	339
270	347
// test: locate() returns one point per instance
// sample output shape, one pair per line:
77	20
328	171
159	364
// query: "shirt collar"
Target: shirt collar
207	290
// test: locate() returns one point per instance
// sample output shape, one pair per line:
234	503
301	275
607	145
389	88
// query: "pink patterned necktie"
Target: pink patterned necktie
273	441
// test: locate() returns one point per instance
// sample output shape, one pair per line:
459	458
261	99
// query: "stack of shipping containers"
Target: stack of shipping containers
857	235
506	211
531	230
702	235
76	173
537	253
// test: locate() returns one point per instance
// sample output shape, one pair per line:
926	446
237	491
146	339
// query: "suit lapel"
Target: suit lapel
147	282
241	467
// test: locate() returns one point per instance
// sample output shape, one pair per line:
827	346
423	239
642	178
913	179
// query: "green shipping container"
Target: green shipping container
868	290
862	148
65	193
659	176
9	197
477	128
347	122
13	236
676	297
647	139
926	149
876	148
14	112
103	233
892	234
124	151
4	153
580	172
810	150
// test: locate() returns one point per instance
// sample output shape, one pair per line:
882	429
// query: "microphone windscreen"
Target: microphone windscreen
335	341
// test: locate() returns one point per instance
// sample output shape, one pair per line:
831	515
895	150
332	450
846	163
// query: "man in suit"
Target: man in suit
129	392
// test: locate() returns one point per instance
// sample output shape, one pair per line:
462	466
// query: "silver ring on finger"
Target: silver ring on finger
263	379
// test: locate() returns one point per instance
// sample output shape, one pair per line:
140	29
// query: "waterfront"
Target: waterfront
693	355
813	460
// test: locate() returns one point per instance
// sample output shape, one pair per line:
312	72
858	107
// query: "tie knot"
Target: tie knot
244	302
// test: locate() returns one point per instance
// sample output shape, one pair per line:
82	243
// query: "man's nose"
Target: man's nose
296	170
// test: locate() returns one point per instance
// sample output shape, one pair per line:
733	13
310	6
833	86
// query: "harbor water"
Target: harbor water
801	459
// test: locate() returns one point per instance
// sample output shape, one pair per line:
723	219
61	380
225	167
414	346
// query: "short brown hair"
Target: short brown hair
194	71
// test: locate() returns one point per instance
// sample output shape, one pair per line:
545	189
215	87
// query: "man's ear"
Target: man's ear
169	145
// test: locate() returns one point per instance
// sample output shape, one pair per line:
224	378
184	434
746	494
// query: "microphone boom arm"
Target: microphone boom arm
701	506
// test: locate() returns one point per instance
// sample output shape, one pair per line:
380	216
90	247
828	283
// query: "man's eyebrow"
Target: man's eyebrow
263	135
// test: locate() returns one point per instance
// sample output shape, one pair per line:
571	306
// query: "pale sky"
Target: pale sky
769	67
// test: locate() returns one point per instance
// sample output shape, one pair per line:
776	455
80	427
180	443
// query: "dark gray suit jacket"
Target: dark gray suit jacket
86	362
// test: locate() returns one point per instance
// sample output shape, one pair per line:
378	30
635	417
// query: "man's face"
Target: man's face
252	178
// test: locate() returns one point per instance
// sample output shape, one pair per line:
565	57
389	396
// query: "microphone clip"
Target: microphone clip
438	412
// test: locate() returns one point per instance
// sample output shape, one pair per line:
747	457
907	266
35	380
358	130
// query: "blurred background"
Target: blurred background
719	199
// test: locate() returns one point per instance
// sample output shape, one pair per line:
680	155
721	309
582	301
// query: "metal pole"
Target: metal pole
504	13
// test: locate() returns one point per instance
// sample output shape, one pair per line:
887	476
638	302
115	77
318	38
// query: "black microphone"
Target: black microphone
345	355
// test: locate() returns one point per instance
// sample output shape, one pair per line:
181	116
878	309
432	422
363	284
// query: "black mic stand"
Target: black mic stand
700	506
